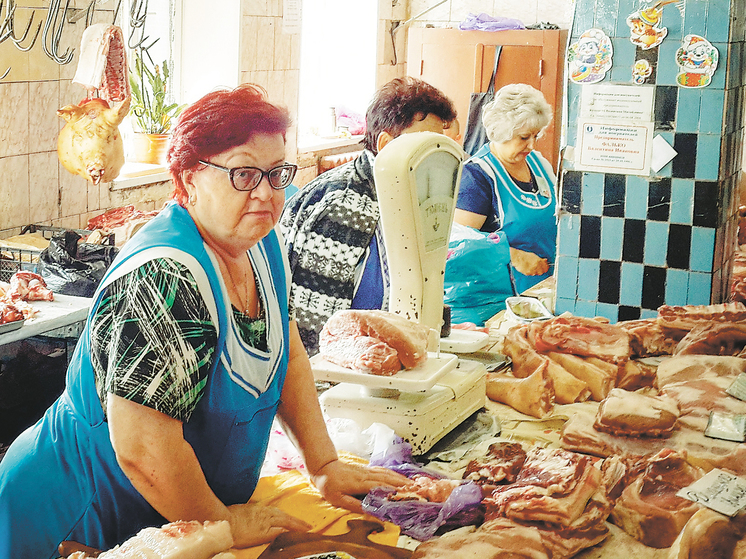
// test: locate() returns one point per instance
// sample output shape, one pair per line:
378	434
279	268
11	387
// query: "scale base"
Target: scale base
420	418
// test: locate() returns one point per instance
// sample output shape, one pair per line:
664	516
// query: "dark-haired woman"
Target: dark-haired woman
188	354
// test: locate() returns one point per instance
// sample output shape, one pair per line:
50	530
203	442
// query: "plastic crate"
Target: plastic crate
14	259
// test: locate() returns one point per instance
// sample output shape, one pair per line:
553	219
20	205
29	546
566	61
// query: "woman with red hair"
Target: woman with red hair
188	354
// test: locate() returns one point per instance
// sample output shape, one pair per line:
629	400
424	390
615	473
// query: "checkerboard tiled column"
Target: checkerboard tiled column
628	244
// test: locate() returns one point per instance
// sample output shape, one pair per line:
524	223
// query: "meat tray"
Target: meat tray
10	326
422	377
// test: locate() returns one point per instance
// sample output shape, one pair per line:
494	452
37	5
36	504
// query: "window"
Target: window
337	62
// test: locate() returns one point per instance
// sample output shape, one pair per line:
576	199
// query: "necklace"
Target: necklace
245	303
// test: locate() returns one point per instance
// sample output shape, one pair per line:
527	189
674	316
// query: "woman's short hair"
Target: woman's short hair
515	106
219	121
398	103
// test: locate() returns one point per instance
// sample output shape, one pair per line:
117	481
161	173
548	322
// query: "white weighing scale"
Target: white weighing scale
417	177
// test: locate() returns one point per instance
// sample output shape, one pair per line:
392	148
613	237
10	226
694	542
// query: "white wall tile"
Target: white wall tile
14	191
43	187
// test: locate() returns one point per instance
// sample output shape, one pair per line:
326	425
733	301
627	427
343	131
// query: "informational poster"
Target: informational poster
614	147
615	129
291	16
624	102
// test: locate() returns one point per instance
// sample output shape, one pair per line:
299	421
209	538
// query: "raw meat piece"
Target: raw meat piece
709	535
693	367
426	489
28	286
636	374
9	312
501	539
553	486
599	381
685	318
406	339
177	540
648	509
580	336
501	465
567	388
533	395
713	338
632	414
648	339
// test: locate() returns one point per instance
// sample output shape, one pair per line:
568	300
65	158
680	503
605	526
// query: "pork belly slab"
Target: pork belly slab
577	335
648	509
632	414
709	535
501	465
177	540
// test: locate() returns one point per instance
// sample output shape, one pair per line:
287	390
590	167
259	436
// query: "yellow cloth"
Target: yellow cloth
294	493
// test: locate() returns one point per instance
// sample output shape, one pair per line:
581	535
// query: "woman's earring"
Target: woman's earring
192	199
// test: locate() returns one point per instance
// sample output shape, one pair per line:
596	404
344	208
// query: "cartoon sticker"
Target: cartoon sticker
590	58
645	28
697	60
641	71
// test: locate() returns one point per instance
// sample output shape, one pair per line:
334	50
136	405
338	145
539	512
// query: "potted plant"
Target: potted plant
152	113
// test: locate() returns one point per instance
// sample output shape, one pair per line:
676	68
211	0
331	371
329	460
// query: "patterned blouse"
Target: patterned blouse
153	342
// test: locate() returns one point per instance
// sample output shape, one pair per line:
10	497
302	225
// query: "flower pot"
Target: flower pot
150	148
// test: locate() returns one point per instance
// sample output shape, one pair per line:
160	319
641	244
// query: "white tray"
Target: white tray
423	377
464	341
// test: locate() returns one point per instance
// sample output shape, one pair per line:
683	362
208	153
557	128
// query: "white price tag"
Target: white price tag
719	491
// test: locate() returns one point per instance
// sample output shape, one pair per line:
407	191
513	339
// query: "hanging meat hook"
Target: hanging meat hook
138	15
7	29
53	27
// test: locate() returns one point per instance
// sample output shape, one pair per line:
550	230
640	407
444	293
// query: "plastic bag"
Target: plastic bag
72	268
477	276
486	22
418	519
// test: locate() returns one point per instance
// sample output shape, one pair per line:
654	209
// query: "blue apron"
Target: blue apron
60	479
528	219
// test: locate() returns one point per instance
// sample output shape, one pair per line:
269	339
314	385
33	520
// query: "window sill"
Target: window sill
311	144
139	174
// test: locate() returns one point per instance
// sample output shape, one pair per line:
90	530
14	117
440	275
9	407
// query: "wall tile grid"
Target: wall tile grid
628	244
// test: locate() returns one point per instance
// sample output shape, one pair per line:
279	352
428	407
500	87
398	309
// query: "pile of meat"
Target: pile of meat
177	540
14	296
373	342
123	222
545	504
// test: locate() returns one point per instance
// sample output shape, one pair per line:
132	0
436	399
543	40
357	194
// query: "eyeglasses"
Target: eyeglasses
248	178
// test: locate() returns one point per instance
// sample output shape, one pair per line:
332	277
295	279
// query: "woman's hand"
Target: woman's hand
253	524
339	482
528	263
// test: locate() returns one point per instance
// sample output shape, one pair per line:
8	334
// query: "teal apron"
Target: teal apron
60	479
528	219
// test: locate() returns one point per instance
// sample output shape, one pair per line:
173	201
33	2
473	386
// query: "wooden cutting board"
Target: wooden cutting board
292	545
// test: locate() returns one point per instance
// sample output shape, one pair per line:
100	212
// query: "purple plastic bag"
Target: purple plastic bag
486	22
421	520
418	519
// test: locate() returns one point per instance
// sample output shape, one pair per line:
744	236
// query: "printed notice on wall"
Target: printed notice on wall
291	16
614	147
624	102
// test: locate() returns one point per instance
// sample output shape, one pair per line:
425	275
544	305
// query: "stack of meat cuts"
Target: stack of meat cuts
373	342
14	296
124	222
582	357
556	506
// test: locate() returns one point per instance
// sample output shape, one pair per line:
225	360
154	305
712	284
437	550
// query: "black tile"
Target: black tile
659	199
615	187
653	287
679	246
634	240
628	313
685	162
609	275
572	190
651	55
705	204
590	236
665	106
